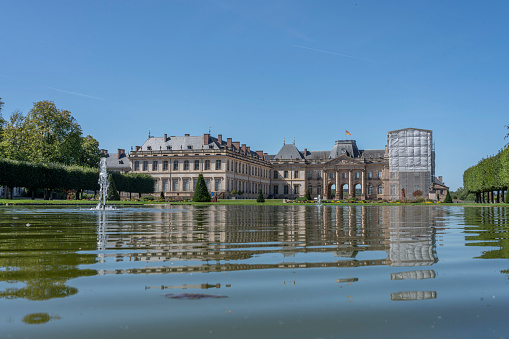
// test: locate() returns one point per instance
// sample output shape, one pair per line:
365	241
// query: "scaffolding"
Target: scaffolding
411	162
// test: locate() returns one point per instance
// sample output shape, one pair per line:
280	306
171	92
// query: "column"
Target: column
351	190
363	189
337	185
324	184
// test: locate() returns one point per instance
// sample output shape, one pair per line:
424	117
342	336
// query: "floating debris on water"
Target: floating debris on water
191	296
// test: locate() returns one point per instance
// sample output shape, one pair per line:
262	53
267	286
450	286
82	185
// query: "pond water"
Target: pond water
254	272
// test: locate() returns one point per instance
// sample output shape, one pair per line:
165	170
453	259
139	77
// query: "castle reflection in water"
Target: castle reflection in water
230	238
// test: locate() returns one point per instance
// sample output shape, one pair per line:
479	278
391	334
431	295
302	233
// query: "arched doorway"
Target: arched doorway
331	191
344	191
358	191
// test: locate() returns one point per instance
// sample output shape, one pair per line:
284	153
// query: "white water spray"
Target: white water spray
319	201
103	184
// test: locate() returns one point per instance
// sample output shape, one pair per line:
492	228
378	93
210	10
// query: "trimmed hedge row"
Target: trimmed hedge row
489	175
56	176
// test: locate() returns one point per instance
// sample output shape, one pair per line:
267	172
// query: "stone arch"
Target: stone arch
357	190
330	187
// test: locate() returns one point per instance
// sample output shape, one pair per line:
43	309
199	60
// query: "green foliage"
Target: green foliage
448	199
490	174
260	196
201	193
112	189
90	154
308	195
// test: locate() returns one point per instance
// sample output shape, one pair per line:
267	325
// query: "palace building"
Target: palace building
404	169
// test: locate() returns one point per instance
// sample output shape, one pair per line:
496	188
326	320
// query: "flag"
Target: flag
347	133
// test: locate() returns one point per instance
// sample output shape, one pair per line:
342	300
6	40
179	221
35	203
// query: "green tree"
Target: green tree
308	195
15	141
201	193
90	154
112	189
260	196
448	199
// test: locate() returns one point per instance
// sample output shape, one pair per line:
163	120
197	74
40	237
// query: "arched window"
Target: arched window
370	189
380	189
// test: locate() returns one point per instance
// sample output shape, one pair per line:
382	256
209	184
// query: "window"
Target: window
186	166
370	174
275	174
189	147
136	165
310	189
319	190
356	175
380	190
149	148
154	165
197	165
145	165
310	175
155	185
218	165
343	175
295	174
285	189
211	146
185	185
207	165
207	182
296	189
319	175
165	165
331	175
195	181
168	148
379	174
276	189
218	185
175	185
175	165
285	175
370	189
165	185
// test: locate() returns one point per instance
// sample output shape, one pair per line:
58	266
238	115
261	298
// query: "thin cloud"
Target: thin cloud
75	93
333	53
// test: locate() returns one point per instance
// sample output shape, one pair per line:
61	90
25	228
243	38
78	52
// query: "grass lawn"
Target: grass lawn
239	202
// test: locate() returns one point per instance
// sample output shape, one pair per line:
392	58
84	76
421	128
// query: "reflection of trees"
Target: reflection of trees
488	227
44	256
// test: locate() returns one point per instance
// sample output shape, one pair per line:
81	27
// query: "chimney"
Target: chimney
248	150
138	148
165	137
265	154
260	154
104	151
120	152
237	145
305	151
220	139
440	179
186	135
244	148
229	143
206	138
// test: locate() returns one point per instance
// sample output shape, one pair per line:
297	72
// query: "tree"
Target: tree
260	196
90	154
112	189
308	195
448	199
201	193
15	141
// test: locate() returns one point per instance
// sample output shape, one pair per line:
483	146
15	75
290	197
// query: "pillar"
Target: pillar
363	188
337	186
351	192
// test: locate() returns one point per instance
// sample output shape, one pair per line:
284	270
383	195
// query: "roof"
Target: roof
373	153
113	162
177	143
288	151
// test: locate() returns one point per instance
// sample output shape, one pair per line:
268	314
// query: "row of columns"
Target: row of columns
351	189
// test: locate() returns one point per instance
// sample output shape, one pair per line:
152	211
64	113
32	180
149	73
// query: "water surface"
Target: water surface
254	272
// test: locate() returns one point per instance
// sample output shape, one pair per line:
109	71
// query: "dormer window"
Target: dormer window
168	148
211	146
149	148
189	147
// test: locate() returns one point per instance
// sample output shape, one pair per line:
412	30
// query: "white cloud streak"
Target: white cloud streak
75	93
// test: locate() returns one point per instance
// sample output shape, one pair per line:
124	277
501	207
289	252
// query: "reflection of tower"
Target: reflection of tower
412	237
102	238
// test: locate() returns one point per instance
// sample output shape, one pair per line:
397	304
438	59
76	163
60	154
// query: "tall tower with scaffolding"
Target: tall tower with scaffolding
411	162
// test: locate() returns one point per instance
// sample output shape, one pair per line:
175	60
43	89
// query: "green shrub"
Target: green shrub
112	189
448	198
201	193
260	196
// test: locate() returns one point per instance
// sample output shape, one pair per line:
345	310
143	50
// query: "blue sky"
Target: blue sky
260	71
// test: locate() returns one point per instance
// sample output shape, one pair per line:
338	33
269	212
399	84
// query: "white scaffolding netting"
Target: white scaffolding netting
410	162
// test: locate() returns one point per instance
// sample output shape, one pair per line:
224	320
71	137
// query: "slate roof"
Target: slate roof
114	163
288	151
196	142
348	146
372	153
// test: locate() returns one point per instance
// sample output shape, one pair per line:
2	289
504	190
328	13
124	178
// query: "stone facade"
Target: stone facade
230	168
